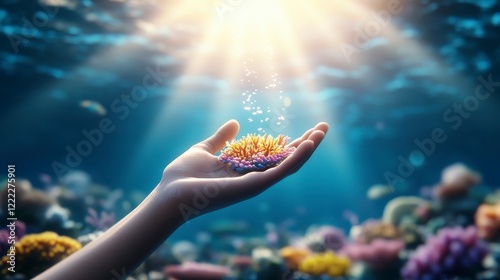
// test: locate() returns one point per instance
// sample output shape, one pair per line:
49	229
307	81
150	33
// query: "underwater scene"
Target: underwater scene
250	139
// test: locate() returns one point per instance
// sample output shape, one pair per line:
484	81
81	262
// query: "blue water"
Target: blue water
377	108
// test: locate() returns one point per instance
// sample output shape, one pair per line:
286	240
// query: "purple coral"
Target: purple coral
453	252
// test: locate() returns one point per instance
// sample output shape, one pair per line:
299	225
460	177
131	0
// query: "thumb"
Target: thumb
218	140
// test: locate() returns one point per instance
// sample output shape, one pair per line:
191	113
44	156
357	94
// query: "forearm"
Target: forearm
124	246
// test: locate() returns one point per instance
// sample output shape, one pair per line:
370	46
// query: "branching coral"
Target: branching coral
325	263
99	222
37	252
255	152
453	252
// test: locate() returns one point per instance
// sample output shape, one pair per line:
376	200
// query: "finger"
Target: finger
253	183
316	137
297	158
218	140
322	126
273	175
296	142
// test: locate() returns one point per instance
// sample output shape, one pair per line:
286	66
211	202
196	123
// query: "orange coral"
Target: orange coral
488	221
294	256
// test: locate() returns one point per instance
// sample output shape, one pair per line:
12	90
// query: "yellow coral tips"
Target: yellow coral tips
255	152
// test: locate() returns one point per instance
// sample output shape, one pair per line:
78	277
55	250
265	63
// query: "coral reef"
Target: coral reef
325	263
453	252
196	271
99	222
10	235
378	254
400	207
255	152
487	220
241	262
294	256
411	234
391	248
31	203
456	180
325	238
37	252
89	237
373	229
242	266
267	264
185	251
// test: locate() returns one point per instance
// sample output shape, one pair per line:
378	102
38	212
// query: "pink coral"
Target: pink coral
377	254
241	262
196	271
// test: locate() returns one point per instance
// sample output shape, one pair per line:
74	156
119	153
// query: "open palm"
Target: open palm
201	183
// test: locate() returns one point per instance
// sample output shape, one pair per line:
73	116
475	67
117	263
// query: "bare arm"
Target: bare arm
193	184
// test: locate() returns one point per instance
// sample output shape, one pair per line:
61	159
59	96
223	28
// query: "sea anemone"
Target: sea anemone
255	152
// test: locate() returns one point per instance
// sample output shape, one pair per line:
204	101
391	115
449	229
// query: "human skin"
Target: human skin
128	243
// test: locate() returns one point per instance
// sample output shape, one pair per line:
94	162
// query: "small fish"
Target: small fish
93	107
351	217
378	191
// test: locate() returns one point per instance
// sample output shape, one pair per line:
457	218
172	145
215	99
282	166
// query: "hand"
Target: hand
198	182
195	183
